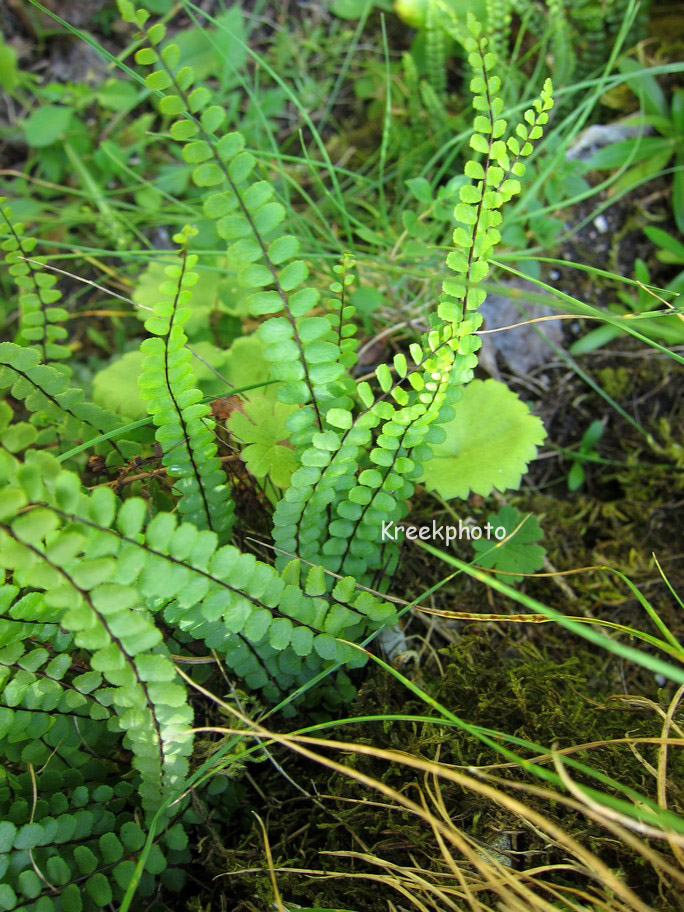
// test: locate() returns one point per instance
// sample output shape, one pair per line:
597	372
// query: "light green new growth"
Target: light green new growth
577	35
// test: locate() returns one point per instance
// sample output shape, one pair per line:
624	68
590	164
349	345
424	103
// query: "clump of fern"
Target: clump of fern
102	591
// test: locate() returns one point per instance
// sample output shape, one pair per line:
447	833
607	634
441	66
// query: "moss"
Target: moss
557	694
616	381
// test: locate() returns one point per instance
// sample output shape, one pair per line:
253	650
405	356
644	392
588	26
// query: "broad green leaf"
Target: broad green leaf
46	125
671	248
421	189
9	72
489	443
644	85
117	95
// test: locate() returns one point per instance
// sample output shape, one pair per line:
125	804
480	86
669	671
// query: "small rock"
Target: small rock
601	224
523	347
600	135
503	841
393	641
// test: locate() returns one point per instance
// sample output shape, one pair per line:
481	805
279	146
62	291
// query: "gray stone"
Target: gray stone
599	135
523	347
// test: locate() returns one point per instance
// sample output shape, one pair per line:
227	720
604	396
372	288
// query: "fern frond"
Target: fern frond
184	429
564	58
435	50
531	12
249	218
38	298
498	25
67	838
108	621
329	480
98	593
56	404
273	630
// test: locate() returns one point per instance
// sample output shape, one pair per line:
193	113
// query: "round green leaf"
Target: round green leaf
515	552
489	442
29	836
7	833
8	898
71	898
132	836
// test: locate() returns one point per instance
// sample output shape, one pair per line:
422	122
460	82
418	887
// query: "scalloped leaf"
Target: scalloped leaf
489	443
262	430
517	554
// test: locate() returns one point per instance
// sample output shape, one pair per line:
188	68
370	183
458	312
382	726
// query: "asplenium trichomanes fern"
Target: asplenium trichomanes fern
184	429
102	593
60	409
360	479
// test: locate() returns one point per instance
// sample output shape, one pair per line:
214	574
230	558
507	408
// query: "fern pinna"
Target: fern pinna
103	595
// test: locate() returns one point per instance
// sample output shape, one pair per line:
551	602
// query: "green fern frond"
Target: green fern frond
184	429
107	620
435	50
498	25
564	58
57	406
99	594
272	630
250	220
38	298
359	492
